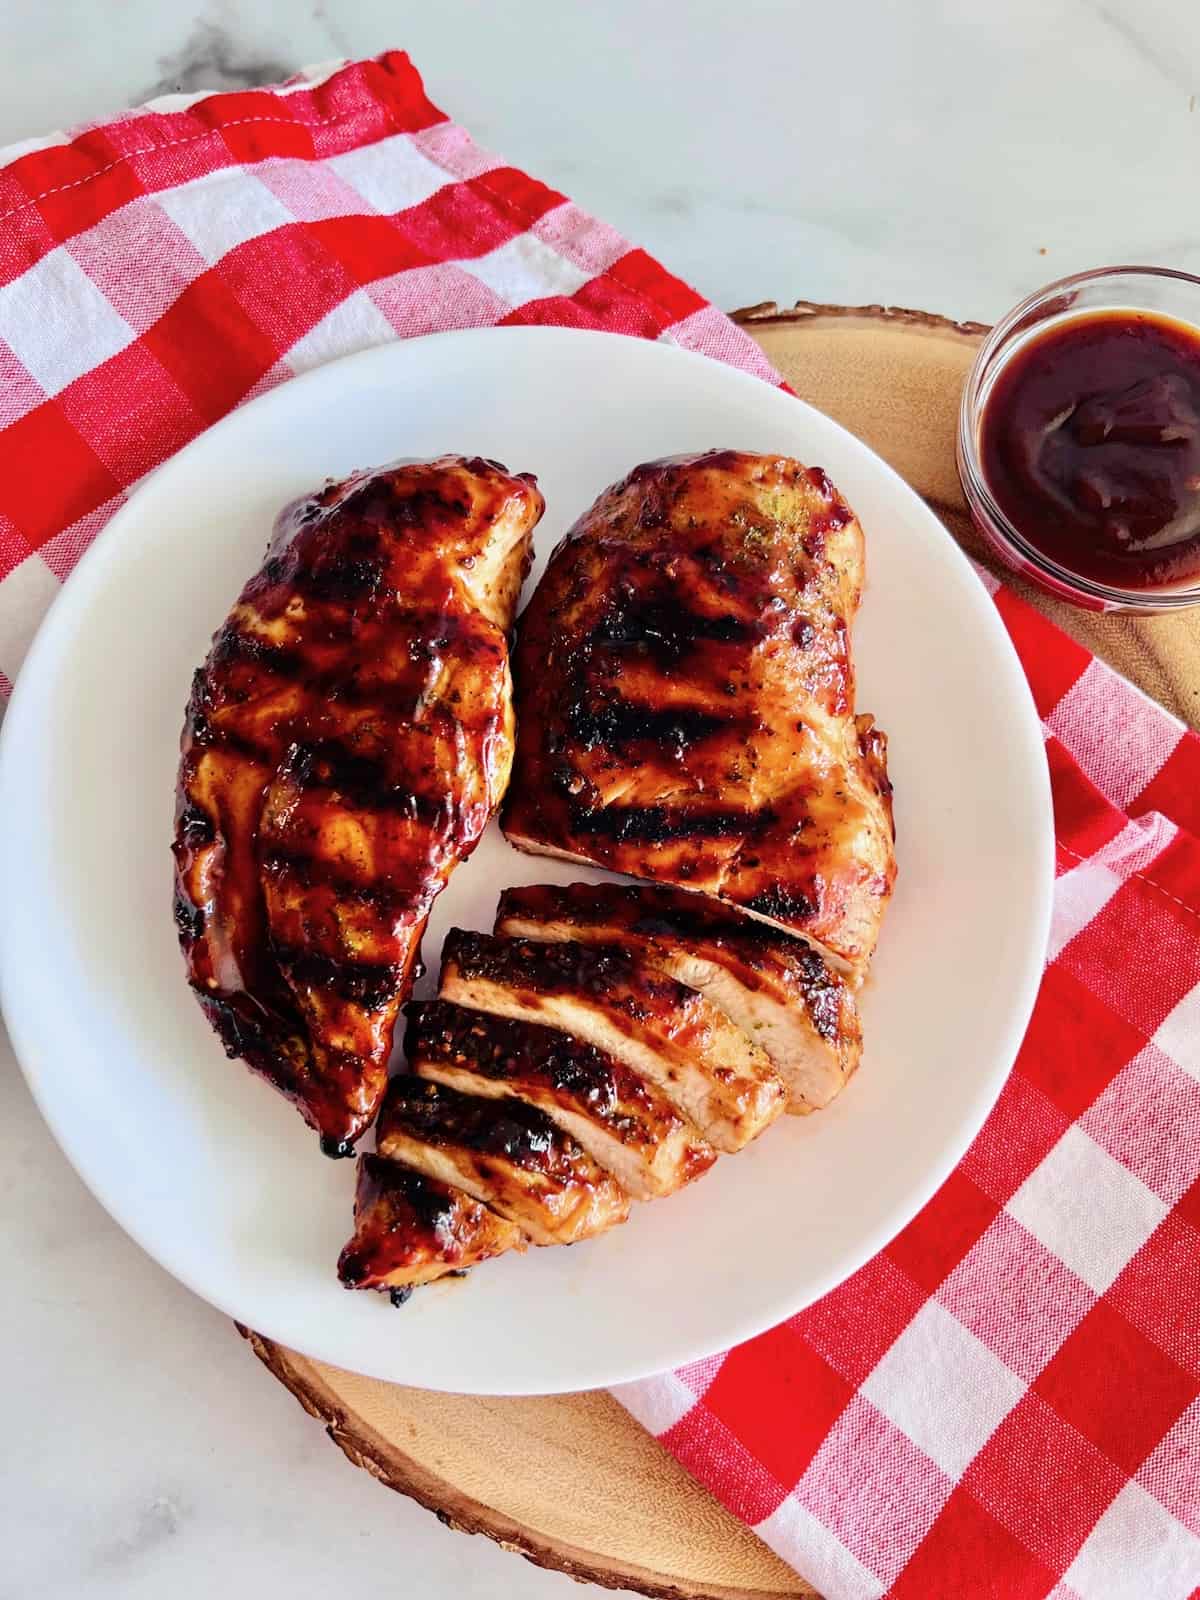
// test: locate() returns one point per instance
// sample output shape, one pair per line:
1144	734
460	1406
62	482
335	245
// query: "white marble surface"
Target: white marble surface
949	156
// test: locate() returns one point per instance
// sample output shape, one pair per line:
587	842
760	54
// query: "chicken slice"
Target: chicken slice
778	989
410	1229
347	741
620	1119
504	1153
662	1029
685	698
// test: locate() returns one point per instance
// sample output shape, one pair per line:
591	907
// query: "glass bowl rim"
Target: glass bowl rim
980	499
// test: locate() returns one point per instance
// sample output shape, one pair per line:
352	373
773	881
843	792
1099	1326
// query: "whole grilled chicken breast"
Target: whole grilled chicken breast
685	698
346	742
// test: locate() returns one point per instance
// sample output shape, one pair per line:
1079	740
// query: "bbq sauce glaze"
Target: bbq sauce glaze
1090	444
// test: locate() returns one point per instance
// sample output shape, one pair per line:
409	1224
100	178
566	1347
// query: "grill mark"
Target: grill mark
658	626
341	684
660	912
661	824
361	783
602	972
502	1048
342	577
233	645
317	872
439	1116
620	723
371	985
785	904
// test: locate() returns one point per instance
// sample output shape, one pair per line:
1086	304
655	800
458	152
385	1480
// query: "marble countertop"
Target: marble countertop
946	157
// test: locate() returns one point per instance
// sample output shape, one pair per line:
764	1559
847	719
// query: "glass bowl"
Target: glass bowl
1157	290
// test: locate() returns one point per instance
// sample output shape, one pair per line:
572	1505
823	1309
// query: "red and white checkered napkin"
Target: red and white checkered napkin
1004	1402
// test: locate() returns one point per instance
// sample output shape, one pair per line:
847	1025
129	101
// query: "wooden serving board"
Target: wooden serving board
571	1481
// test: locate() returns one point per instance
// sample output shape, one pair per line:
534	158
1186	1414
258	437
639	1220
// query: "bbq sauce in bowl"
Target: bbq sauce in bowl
1089	442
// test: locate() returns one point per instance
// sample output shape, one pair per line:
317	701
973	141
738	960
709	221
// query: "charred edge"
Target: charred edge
266	1039
198	729
394	501
260	1040
354	1265
189	918
336	1149
502	1048
838	514
823	1002
194	827
240	1034
439	1116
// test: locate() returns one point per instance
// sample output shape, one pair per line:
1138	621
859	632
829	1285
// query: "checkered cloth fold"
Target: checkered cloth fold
1003	1402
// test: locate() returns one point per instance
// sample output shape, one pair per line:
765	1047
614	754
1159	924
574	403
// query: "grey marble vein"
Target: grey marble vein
1166	62
210	58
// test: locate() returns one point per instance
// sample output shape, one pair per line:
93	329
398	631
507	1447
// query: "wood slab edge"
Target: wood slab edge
389	1466
769	312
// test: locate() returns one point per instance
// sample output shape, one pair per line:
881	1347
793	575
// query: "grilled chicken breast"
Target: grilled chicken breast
504	1153
662	1029
410	1229
685	698
622	1121
777	988
346	742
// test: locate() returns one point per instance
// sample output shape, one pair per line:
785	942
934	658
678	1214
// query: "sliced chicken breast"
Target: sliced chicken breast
620	1119
410	1229
662	1029
504	1153
778	989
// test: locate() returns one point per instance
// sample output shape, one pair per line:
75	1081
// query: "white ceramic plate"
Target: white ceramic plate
212	1172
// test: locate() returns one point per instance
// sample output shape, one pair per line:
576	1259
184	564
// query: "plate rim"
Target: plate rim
68	603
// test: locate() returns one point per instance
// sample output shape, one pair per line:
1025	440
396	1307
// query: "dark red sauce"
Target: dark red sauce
1090	444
